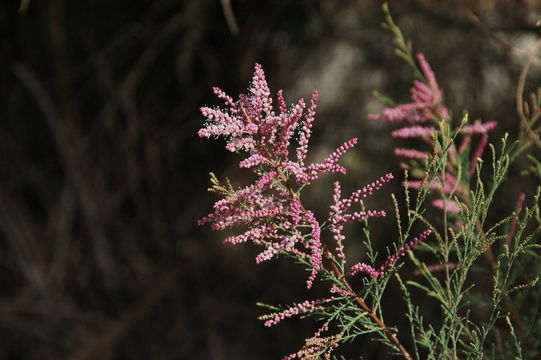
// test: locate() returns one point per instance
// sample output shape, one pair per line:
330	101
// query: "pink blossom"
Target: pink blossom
337	226
411	153
306	129
362	267
427	100
404	250
305	306
251	161
450	183
422	94
465	142
260	90
270	208
365	191
413	131
478	128
338	290
288	123
448	205
241	144
478	153
405	112
297	170
266	178
252	234
316	257
433	86
329	164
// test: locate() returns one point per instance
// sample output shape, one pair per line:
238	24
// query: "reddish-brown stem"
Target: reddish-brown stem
393	337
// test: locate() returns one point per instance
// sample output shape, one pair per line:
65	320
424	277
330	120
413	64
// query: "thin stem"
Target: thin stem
393	337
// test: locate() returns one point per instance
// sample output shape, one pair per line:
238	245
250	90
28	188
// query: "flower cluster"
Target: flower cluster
270	208
426	101
427	107
251	125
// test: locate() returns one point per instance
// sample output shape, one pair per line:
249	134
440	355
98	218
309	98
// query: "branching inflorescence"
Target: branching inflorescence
271	210
425	116
449	166
271	214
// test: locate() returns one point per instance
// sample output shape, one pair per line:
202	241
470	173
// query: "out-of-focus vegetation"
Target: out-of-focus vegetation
102	177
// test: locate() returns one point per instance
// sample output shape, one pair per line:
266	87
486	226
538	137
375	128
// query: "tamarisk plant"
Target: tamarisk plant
447	170
275	218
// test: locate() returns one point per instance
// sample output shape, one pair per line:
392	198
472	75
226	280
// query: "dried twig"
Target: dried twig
230	17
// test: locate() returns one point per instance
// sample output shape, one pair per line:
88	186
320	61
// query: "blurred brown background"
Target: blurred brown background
102	176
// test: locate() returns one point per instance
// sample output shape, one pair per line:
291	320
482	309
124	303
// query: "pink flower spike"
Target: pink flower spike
329	165
282	103
222	95
289	123
411	153
478	128
362	267
422	94
316	257
407	247
266	255
306	129
436	185
364	192
260	89
296	170
336	222
426	104
430	77
306	306
337	154
405	112
363	215
252	161
413	131
253	234
266	179
448	205
478	153
220	123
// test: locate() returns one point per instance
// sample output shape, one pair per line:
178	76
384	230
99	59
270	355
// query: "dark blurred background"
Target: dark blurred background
102	176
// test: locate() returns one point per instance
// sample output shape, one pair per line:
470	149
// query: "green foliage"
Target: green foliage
506	324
